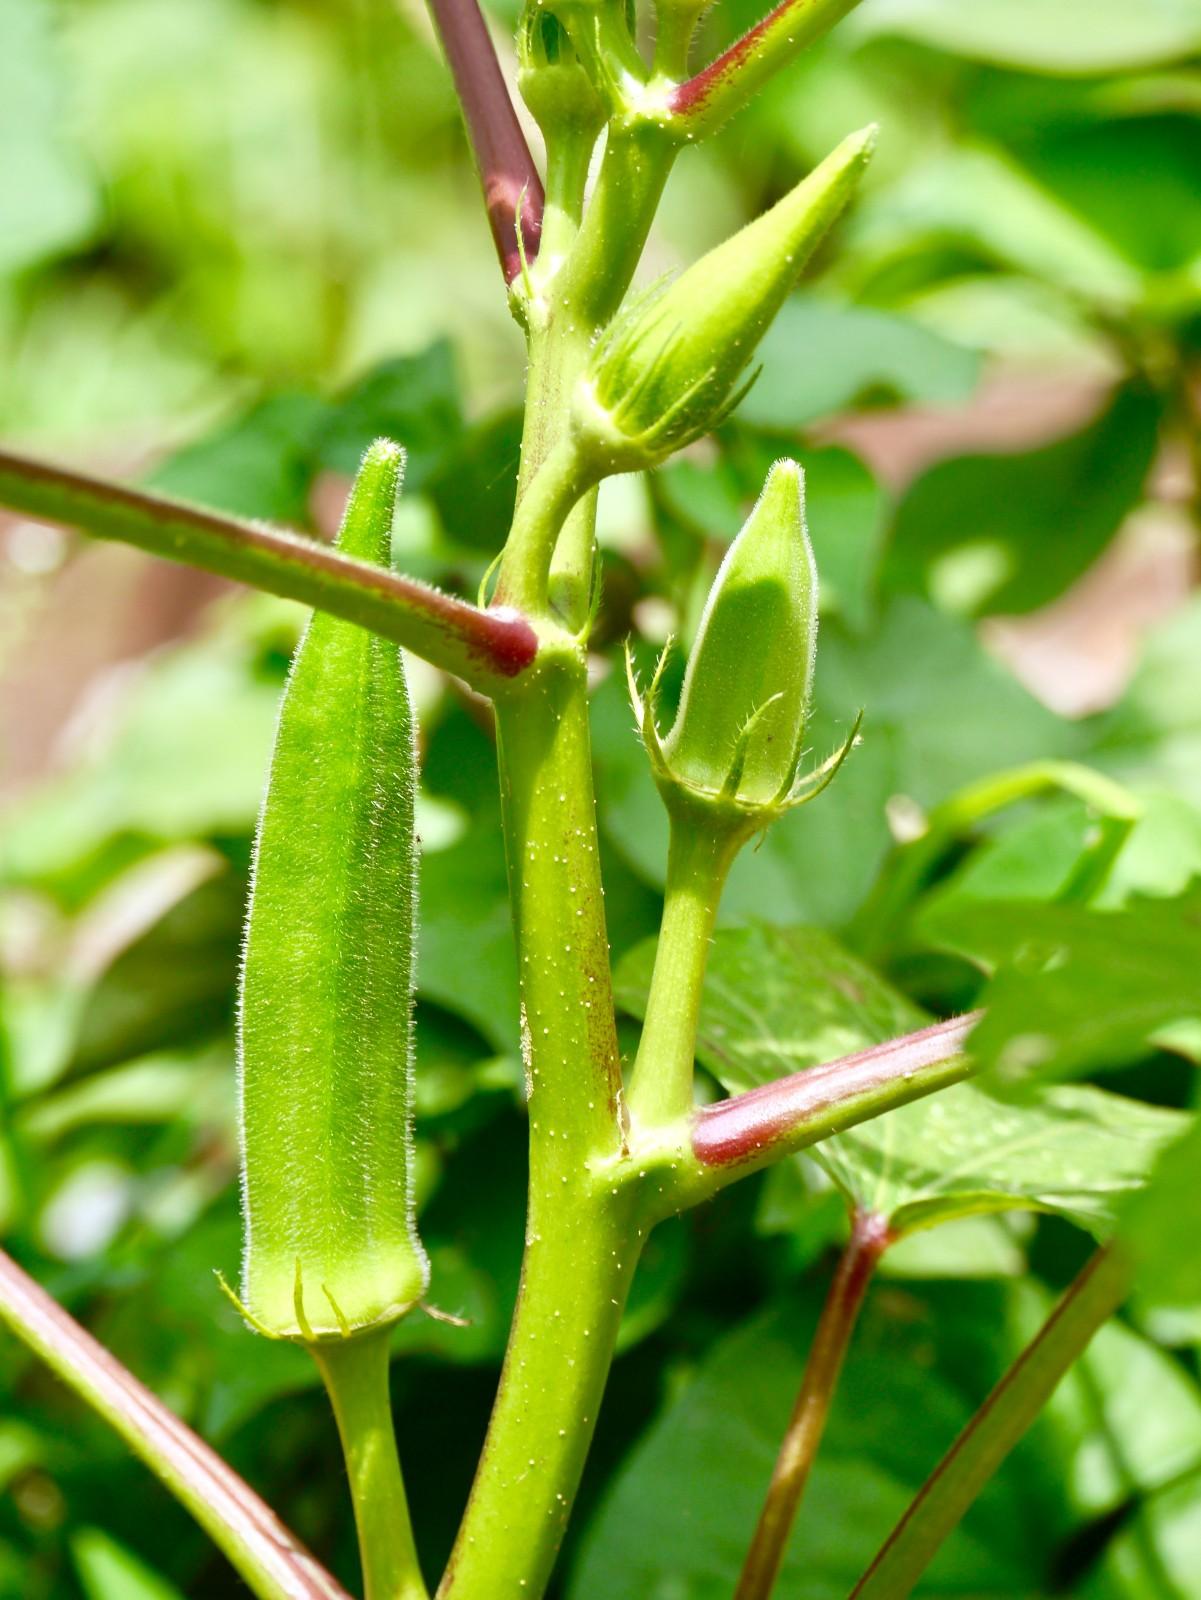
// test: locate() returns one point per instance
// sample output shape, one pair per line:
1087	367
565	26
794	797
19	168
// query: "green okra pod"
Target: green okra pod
325	1037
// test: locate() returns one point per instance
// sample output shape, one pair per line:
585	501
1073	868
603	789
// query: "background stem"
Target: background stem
355	1373
869	1239
992	1433
275	1565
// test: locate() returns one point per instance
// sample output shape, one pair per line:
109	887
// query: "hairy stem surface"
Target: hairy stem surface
868	1241
275	1565
992	1433
486	648
355	1373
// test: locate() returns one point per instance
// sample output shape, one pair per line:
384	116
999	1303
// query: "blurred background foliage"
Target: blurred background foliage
239	238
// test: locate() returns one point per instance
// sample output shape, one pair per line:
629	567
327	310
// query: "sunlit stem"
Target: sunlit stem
355	1373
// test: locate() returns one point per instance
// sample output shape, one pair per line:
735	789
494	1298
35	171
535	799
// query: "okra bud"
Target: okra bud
667	370
731	758
325	1036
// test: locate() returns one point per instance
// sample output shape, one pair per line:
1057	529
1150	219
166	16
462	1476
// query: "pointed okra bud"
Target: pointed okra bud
731	758
746	690
325	1039
668	368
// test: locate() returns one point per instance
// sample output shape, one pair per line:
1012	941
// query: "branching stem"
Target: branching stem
869	1239
992	1433
486	648
275	1565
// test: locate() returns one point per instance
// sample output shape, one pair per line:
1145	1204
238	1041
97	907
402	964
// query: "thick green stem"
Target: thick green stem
581	1239
992	1433
868	1241
355	1373
542	510
697	863
274	1564
486	648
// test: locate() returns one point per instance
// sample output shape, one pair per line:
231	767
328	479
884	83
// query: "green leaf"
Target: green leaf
1068	36
680	1514
47	202
1162	1228
108	1571
474	488
820	358
258	465
778	1000
1008	533
414	399
325	1046
1074	988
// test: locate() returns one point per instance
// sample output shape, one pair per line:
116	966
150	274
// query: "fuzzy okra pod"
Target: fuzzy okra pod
326	998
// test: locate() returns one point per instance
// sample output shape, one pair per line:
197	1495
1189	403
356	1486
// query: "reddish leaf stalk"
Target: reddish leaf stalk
727	84
270	1558
497	643
869	1239
506	168
748	1126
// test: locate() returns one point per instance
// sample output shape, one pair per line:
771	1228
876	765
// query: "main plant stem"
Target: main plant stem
581	1239
869	1239
355	1372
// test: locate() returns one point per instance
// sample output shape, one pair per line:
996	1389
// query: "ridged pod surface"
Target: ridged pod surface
325	1035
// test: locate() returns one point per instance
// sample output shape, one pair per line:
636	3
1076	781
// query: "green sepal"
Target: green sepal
667	370
325	1036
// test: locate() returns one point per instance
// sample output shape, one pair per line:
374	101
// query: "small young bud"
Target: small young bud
667	370
551	79
746	691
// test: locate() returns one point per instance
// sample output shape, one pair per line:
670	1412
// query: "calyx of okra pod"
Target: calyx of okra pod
734	749
325	1038
668	368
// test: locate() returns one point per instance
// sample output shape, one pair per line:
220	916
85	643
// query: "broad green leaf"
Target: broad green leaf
778	1000
680	1514
974	197
261	464
1069	36
1074	988
1162	1227
1008	533
412	398
108	1571
475	485
819	358
325	1038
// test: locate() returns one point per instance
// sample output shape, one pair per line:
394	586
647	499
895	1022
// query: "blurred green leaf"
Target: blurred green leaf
1066	36
820	358
1162	1226
259	465
1009	533
108	1571
47	199
1074	988
475	486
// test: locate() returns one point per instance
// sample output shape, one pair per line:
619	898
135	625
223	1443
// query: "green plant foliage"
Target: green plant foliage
1052	964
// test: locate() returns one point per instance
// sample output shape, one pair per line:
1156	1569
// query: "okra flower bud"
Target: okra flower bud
734	749
325	1038
552	80
667	370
